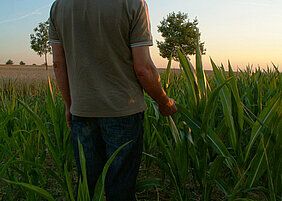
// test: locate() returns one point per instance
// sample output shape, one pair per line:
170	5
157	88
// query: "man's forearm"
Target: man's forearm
151	82
60	70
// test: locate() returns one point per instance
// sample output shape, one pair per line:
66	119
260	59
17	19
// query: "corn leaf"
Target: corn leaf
167	73
44	131
193	124
267	114
43	193
225	97
99	189
201	76
68	181
188	70
208	108
219	147
7	165
149	184
236	95
83	192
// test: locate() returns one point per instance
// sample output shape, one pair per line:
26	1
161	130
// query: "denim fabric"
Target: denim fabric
100	138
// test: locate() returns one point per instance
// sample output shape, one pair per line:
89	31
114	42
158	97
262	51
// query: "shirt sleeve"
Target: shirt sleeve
141	28
53	34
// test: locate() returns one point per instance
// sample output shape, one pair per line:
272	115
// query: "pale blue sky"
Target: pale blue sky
244	31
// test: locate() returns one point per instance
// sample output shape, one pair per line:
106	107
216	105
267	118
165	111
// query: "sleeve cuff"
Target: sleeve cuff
147	43
55	41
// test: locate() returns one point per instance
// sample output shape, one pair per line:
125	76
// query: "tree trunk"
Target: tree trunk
46	64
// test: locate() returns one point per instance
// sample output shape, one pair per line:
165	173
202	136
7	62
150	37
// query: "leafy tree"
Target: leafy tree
22	63
9	62
178	31
39	41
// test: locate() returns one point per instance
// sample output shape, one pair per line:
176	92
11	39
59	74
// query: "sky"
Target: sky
246	32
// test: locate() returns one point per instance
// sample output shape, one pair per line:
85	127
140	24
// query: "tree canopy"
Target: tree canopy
40	41
9	62
178	31
22	63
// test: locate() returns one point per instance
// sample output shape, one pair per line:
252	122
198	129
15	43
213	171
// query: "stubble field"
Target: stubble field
26	73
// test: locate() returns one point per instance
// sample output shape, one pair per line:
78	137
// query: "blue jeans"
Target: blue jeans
100	138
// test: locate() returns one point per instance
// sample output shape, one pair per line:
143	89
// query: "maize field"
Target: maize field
224	143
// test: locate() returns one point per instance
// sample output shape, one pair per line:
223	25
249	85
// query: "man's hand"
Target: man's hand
169	108
68	117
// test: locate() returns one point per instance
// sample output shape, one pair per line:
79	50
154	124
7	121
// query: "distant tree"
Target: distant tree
178	31
9	62
22	63
39	41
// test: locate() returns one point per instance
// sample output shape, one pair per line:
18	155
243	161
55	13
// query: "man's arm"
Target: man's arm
150	80
60	70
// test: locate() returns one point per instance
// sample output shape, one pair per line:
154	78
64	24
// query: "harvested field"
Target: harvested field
25	73
31	73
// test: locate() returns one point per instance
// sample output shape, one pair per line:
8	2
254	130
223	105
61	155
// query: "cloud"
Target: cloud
20	18
36	12
252	3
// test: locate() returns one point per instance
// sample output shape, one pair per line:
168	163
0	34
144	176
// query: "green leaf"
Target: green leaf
167	73
47	170
220	148
214	167
7	165
83	192
174	131
225	98
9	117
99	189
223	186
236	95
201	76
188	70
267	114
68	181
193	124
212	97
44	130
43	193
149	184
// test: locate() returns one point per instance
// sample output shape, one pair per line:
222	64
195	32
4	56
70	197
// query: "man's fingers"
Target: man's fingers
168	109
69	124
68	118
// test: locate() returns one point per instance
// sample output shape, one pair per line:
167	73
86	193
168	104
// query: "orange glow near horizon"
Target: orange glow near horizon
244	32
239	58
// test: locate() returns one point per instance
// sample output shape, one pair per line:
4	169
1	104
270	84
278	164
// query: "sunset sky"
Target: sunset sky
243	31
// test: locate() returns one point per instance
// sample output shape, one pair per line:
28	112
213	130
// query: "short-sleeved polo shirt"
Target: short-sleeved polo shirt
97	36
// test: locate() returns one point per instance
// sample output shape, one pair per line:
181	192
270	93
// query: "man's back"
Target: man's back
97	36
103	59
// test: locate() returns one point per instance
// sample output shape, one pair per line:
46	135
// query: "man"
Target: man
102	64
